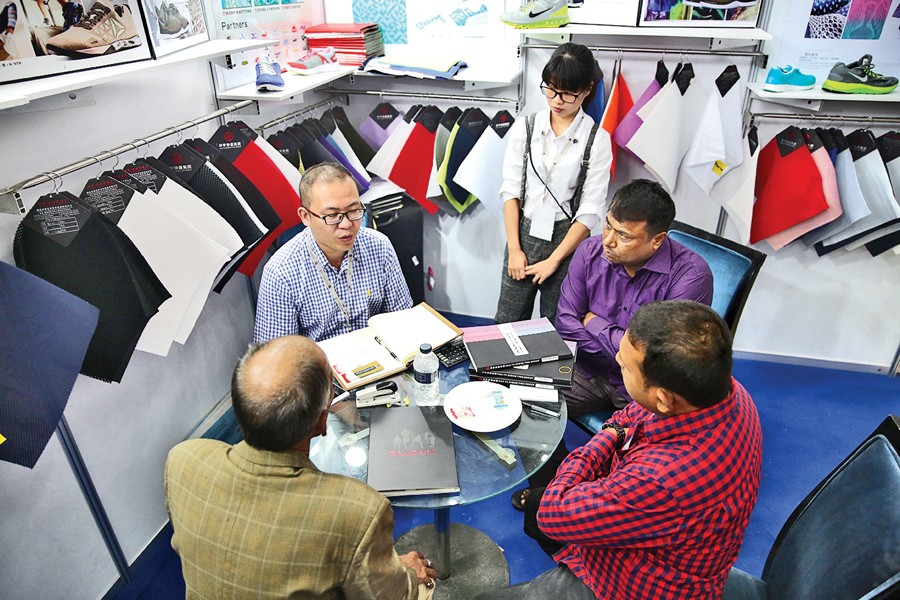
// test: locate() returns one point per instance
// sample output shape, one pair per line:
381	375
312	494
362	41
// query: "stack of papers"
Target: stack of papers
353	43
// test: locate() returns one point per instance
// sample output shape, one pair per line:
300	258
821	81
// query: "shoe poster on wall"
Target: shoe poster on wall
174	24
51	37
284	22
852	46
699	13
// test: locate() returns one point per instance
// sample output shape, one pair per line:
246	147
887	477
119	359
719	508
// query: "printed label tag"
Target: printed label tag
513	339
58	217
719	167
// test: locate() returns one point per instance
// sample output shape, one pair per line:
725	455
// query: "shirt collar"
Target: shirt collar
251	458
320	256
657	428
661	261
547	130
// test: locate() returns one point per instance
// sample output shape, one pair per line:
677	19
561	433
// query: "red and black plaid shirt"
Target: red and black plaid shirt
662	518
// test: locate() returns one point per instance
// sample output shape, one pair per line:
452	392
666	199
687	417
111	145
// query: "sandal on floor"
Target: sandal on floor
519	497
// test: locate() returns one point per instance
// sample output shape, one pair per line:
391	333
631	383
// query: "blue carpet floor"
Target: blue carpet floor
811	418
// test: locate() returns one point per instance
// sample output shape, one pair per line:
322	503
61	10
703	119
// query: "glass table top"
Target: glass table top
481	471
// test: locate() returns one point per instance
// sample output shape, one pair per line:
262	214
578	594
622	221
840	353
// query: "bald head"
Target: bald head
278	390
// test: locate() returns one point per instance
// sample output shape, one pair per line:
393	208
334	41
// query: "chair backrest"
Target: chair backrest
843	540
734	268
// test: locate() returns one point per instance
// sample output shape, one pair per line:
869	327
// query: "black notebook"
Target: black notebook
556	374
496	346
411	451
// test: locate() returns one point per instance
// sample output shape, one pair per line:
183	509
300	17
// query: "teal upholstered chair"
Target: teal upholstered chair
734	267
843	541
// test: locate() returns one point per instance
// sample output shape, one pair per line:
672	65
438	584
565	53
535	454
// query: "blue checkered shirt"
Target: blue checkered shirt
294	300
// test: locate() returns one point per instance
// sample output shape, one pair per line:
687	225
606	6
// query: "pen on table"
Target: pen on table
378	339
542	411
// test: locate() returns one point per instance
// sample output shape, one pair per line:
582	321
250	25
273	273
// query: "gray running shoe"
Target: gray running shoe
858	78
105	28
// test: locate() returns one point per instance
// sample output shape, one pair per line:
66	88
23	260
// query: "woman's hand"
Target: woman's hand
517	264
542	270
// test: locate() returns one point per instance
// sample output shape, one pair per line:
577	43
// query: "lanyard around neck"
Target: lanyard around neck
324	276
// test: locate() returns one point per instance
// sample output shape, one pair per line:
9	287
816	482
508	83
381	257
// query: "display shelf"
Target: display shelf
818	94
479	77
21	93
294	85
721	33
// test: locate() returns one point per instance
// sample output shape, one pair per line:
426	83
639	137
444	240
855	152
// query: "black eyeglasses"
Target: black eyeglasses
335	218
567	97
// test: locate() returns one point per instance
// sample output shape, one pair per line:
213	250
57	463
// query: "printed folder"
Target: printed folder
496	346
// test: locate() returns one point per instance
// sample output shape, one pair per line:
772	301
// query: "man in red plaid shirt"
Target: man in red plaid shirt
655	505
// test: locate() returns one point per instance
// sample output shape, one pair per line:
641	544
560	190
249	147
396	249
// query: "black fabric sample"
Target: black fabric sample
44	334
101	266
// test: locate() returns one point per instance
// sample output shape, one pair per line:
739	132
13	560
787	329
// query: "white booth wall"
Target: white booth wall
840	308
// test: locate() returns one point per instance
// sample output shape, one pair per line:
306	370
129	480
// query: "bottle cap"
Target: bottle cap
425	348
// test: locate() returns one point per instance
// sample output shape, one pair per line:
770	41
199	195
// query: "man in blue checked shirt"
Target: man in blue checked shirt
333	275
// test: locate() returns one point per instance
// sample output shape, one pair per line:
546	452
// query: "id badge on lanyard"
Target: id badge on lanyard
542	221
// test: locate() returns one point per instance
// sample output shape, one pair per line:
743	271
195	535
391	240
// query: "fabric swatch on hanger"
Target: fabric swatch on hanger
412	169
597	105
471	125
64	241
717	145
829	187
735	190
788	186
853	203
619	104
671	115
360	146
481	172
441	137
44	335
387	154
631	122
379	126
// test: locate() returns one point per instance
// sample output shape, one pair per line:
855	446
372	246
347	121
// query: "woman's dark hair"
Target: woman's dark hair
572	68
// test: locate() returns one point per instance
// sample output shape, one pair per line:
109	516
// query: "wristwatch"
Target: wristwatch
620	432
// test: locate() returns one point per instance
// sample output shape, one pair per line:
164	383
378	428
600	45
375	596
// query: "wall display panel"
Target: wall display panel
40	39
815	35
175	25
699	13
281	21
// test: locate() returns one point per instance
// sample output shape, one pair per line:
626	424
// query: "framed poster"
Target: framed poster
52	37
699	13
174	24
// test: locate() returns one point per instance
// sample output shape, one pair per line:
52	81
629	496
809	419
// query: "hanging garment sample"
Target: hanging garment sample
386	156
254	163
286	147
312	153
876	188
320	131
74	247
360	146
465	134
670	121
287	169
829	189
631	122
735	190
853	203
619	104
788	186
379	126
412	169
181	257
828	141
717	145
481	172
44	334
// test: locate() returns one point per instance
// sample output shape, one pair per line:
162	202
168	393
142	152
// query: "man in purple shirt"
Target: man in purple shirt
631	264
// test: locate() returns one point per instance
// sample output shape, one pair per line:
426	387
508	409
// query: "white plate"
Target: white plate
482	406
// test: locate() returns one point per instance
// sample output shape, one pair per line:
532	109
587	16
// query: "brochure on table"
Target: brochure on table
282	22
698	13
814	40
37	46
175	25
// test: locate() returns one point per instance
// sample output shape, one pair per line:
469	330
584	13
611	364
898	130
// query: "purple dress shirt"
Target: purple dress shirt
594	284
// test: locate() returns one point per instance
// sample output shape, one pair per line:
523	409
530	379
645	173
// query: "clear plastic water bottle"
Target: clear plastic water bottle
426	369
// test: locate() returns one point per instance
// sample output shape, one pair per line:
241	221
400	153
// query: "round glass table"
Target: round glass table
487	464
